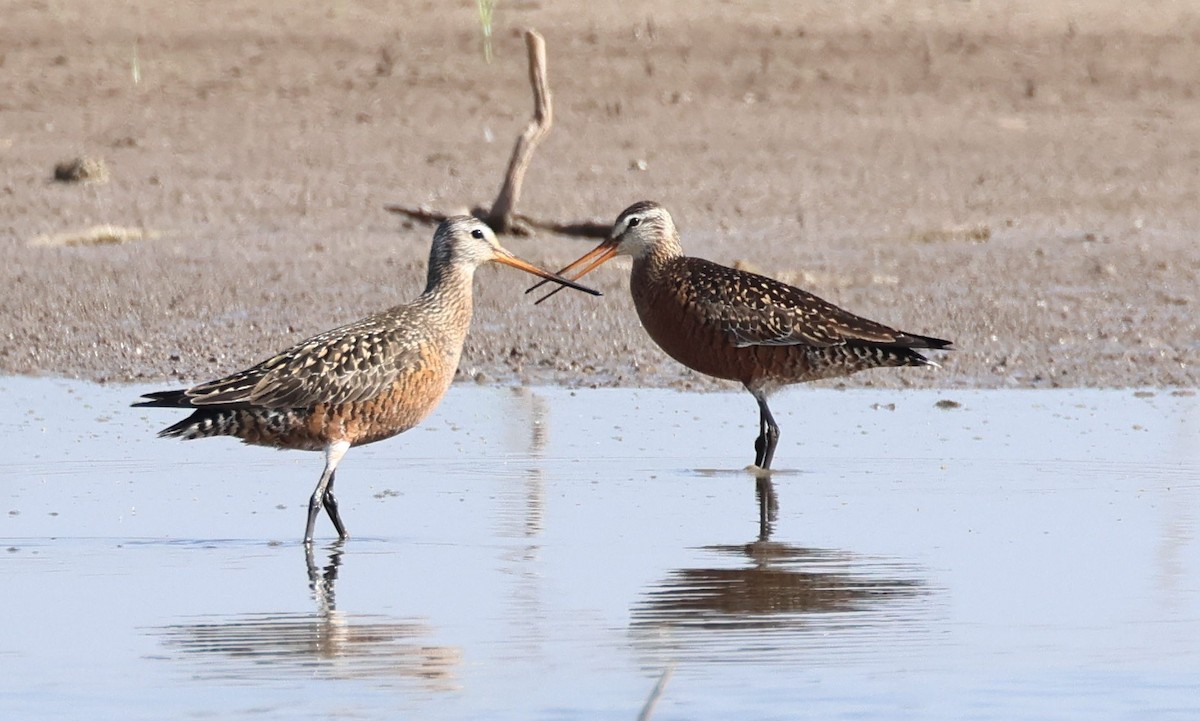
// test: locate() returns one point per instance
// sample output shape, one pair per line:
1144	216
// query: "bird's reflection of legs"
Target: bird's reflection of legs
768	506
321	580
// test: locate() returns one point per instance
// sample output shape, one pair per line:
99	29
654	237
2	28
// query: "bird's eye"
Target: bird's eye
477	234
635	222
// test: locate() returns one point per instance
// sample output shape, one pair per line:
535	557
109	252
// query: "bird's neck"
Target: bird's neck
658	257
448	290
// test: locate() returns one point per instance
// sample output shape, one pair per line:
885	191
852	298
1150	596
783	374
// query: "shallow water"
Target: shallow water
550	554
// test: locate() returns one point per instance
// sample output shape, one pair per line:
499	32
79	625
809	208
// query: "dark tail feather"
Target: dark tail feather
913	358
904	350
177	430
909	340
165	399
204	423
908	355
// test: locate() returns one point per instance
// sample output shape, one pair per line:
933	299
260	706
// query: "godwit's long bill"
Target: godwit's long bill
742	326
359	383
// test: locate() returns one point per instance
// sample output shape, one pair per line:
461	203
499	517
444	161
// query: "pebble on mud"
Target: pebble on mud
81	170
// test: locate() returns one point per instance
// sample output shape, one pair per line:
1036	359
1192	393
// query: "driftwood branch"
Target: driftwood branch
581	229
503	216
421	215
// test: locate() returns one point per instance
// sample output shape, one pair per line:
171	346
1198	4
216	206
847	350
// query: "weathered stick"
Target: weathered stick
581	229
502	217
424	215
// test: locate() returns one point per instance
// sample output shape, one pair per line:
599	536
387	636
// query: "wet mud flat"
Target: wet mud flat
548	553
1015	175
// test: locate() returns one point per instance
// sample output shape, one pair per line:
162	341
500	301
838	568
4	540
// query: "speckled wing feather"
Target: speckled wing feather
343	365
756	310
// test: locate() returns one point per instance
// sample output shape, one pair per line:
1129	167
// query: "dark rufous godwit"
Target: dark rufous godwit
742	326
359	383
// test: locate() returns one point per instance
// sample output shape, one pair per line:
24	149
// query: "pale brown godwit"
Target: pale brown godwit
359	383
742	326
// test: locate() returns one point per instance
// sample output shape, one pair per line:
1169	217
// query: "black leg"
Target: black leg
315	503
321	494
760	443
331	507
768	433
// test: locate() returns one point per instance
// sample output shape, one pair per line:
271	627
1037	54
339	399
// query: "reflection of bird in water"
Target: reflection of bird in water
787	591
741	326
523	505
521	513
321	581
357	384
768	507
325	644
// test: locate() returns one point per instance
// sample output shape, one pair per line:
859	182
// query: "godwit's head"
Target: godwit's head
642	230
464	243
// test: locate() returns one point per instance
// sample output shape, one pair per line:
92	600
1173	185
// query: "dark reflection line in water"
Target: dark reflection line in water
656	693
768	506
325	644
522	509
1177	534
779	602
